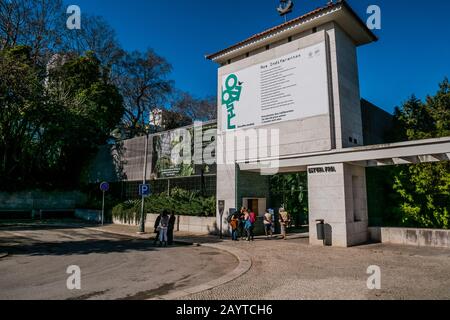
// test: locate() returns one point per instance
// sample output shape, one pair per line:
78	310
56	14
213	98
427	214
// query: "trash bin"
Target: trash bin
320	224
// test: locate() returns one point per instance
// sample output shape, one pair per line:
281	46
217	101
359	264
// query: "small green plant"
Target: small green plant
128	212
181	202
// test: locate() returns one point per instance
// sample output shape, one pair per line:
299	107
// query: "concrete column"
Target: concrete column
337	194
226	174
226	190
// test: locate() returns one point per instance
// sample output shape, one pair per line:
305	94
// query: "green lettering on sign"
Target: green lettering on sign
231	94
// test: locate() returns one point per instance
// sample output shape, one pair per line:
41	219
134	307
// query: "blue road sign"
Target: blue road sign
144	190
104	186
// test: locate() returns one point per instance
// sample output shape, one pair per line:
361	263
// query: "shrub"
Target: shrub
128	212
181	202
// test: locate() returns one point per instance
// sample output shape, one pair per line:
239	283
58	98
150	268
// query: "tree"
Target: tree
52	122
41	25
174	120
96	36
194	108
13	18
142	81
92	108
422	191
37	24
291	190
23	111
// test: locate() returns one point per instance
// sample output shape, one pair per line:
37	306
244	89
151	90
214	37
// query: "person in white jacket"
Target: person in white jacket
163	227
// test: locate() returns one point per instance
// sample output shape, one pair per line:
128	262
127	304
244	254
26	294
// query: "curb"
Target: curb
3	254
130	235
137	236
245	263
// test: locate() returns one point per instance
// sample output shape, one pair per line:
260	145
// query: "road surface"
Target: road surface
112	267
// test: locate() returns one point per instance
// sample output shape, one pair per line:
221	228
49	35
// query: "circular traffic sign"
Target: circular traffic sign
104	186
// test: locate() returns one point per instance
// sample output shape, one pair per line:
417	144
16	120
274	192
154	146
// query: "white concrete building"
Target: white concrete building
301	80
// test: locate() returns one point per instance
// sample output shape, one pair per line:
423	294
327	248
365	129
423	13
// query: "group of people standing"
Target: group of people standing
164	227
242	224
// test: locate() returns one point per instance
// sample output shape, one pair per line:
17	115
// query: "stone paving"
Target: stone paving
293	270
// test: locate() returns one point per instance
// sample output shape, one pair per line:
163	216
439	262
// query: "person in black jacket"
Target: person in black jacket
172	221
241	224
157	222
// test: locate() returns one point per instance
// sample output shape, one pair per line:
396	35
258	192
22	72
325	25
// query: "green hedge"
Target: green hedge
181	202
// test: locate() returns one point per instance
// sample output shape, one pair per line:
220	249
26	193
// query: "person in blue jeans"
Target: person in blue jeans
250	219
234	222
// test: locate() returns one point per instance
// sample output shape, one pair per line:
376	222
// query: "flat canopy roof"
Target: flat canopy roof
411	152
339	12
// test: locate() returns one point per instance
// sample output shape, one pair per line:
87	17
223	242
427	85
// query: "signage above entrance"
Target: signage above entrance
294	86
329	169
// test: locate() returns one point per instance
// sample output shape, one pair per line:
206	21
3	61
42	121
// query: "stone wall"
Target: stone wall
409	236
94	216
202	225
39	200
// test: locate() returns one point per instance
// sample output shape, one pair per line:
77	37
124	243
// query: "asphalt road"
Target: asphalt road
112	267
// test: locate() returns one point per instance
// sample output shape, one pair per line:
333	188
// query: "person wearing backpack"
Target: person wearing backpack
268	223
250	225
234	221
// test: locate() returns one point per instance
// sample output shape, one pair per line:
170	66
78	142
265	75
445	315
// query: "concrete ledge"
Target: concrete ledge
245	263
204	225
89	215
411	237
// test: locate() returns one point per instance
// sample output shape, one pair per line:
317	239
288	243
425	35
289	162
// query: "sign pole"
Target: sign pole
104	187
103	209
221	211
221	228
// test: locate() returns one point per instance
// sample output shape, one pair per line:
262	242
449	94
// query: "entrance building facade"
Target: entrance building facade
289	101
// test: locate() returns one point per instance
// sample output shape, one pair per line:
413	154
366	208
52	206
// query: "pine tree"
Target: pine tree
423	190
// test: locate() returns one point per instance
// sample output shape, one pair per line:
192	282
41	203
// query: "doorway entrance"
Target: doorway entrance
257	205
290	191
252	205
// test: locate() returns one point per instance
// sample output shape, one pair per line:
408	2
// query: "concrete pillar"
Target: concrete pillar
226	190
337	194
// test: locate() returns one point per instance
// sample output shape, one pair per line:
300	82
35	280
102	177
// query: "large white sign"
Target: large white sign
292	87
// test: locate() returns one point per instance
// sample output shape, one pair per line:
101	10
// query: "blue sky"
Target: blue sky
412	55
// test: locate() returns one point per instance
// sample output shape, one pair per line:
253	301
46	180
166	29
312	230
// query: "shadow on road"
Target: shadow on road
26	225
85	247
67	244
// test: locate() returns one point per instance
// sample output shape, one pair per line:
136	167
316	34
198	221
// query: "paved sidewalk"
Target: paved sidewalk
181	237
187	238
294	270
